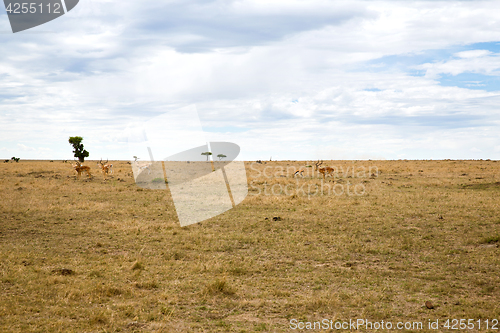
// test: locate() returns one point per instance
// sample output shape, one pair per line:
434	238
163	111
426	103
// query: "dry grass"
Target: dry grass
107	256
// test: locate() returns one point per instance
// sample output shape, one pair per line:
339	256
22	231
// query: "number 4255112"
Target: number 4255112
33	8
462	324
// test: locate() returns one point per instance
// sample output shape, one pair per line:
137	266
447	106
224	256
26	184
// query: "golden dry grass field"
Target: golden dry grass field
80	255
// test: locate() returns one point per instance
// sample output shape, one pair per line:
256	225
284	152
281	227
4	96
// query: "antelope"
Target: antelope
80	168
142	166
300	172
323	170
106	168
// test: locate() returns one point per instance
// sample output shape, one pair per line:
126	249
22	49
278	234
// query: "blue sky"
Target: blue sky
299	80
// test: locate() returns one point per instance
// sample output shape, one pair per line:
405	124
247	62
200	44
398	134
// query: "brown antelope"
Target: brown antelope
80	168
300	172
323	170
106	168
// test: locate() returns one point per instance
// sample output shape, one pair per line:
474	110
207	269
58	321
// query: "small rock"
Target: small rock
429	305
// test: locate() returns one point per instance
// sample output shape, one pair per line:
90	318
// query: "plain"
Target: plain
80	255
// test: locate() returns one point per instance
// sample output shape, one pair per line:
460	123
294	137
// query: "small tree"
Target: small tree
80	153
221	156
207	154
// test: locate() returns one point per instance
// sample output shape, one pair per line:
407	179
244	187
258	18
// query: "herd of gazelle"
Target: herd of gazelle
105	168
317	167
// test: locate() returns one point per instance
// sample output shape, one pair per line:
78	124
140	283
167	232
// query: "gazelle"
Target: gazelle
106	168
300	172
81	168
323	170
142	166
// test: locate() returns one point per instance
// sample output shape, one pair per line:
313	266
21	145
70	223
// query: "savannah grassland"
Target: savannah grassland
108	256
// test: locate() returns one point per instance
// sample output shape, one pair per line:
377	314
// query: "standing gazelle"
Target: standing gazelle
141	166
106	168
323	170
79	168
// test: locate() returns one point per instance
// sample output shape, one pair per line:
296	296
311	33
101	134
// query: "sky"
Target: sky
287	80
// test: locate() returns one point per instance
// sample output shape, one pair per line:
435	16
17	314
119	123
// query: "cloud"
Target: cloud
25	148
473	54
474	61
201	26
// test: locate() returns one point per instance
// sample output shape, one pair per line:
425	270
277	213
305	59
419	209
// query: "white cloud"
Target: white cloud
480	62
25	148
473	54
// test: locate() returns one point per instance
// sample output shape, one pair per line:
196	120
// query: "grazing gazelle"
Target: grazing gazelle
106	168
323	170
81	168
300	172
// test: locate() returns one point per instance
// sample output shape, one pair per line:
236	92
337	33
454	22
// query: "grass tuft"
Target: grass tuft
108	291
491	240
147	285
137	265
219	287
63	271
